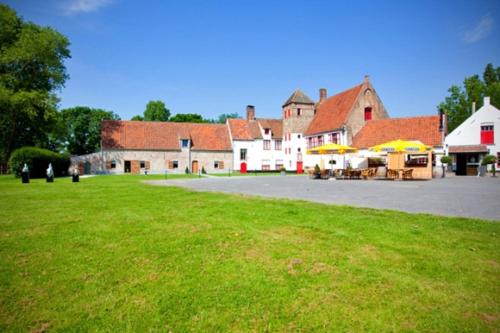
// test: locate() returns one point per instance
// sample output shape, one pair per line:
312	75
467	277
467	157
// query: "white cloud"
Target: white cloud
73	7
480	31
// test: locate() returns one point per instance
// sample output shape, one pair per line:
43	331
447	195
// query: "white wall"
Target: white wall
469	132
256	154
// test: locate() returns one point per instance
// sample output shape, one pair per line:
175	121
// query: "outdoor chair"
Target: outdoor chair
392	174
373	172
355	174
339	173
325	174
407	174
365	173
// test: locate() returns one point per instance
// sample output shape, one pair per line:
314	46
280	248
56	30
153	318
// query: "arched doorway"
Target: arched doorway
194	166
243	167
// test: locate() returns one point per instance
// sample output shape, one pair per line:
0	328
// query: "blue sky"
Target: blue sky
213	57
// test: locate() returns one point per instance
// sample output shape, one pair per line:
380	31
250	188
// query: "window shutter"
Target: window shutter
147	164
108	164
221	164
170	164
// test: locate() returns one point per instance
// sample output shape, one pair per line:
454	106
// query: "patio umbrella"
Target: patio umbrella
332	149
401	146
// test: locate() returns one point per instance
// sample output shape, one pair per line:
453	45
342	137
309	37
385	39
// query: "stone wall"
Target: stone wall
368	98
155	161
294	123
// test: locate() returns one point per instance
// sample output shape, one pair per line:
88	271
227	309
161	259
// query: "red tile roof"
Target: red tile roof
276	126
119	134
424	129
242	129
468	149
333	112
239	129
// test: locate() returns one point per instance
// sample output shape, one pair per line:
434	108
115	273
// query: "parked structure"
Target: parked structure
473	139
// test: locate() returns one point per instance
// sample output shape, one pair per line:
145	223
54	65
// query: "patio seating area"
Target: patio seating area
364	174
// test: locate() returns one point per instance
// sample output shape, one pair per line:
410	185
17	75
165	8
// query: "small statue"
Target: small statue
50	174
76	175
25	174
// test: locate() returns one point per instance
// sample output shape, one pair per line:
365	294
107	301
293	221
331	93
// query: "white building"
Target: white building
474	138
257	143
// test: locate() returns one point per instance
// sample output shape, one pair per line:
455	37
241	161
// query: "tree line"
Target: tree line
458	104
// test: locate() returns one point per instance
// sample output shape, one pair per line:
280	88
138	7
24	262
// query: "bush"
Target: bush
488	159
186	170
38	161
317	170
446	160
203	171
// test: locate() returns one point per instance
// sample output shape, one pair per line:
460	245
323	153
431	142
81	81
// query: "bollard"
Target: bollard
25	174
75	178
50	174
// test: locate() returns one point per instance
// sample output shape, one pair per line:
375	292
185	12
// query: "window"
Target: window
498	160
320	140
266	165
143	164
298	150
173	164
243	154
277	145
299	112
368	114
267	144
487	135
416	160
333	137
267	131
185	143
218	164
279	164
309	142
298	136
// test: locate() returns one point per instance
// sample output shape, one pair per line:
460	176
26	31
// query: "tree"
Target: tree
82	129
223	117
188	118
458	105
31	70
156	111
137	118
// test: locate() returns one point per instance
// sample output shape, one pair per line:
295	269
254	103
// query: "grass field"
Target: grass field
113	254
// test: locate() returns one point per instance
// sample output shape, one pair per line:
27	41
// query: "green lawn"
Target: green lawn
113	254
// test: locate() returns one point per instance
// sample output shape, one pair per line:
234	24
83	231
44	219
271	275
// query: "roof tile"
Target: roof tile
424	129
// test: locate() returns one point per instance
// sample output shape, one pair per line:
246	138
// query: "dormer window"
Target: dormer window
368	114
185	143
267	131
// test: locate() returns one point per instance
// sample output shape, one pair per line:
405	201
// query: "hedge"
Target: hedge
38	161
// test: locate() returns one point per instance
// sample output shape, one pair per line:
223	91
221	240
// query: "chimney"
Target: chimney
473	107
250	112
486	101
322	94
443	123
367	79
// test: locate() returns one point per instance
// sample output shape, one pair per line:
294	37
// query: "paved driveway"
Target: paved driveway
452	196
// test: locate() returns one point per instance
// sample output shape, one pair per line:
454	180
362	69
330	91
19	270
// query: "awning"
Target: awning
468	149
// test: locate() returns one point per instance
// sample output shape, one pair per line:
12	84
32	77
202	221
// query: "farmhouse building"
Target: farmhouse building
474	138
355	117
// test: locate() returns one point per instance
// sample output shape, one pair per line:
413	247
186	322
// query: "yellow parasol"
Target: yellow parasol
401	146
332	149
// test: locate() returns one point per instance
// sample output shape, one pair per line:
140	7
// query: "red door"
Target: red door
299	168
243	167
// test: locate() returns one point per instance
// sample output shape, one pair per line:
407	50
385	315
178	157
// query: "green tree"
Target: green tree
223	117
188	118
82	128
137	118
458	105
156	111
31	70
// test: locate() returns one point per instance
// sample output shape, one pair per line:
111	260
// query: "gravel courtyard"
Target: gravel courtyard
452	196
